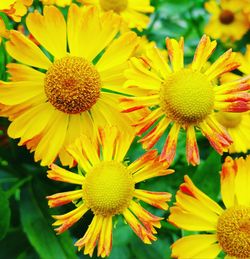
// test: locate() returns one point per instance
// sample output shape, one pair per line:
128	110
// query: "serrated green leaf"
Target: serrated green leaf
4	214
39	231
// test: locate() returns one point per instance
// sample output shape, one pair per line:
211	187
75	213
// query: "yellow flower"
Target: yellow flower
15	9
187	97
107	188
238	127
4	32
61	3
226	229
132	12
70	93
227	21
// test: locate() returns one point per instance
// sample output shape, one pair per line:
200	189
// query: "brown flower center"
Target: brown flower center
226	17
72	85
233	231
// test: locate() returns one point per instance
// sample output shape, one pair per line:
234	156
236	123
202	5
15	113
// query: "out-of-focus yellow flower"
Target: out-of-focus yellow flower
71	95
107	188
4	33
228	229
227	21
61	3
184	97
15	9
133	12
238	126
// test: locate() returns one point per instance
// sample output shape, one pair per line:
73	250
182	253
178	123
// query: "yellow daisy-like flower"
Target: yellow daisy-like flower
70	93
227	21
238	127
227	229
15	9
107	188
4	33
132	12
187	97
61	3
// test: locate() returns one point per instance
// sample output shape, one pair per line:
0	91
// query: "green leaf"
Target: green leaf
4	214
39	231
207	177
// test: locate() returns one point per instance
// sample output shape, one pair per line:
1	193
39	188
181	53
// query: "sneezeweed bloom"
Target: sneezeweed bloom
238	127
4	32
61	3
107	188
15	9
228	229
228	20
134	13
185	97
69	94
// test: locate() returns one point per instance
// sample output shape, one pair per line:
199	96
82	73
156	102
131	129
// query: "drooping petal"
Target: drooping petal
59	174
192	150
169	149
137	227
156	199
65	221
62	198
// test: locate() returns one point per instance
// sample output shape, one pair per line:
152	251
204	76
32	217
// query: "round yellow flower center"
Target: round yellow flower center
233	231
115	5
187	96
226	17
108	188
72	85
229	120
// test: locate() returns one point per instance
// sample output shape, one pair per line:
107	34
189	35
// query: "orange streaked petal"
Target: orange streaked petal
155	134
148	220
176	53
59	174
156	199
228	174
89	240
169	149
192	150
140	231
225	63
65	221
190	189
203	51
62	198
105	240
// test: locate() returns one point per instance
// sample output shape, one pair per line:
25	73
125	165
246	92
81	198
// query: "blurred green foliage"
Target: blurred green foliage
25	220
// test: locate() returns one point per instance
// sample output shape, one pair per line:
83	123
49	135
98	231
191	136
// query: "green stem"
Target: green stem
13	189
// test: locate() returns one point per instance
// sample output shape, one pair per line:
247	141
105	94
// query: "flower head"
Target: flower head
70	92
186	97
61	3
15	9
227	21
107	188
227	229
238	127
132	12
